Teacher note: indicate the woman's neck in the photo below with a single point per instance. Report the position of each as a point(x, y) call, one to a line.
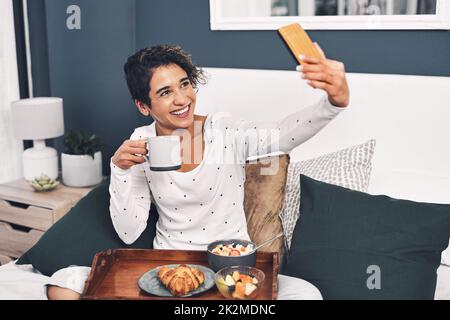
point(194, 130)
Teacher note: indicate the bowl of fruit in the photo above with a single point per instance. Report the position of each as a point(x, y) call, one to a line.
point(239, 282)
point(227, 253)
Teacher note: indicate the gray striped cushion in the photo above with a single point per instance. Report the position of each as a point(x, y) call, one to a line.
point(349, 168)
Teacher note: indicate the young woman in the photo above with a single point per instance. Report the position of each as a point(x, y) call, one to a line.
point(203, 200)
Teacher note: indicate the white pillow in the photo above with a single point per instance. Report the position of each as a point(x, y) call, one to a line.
point(446, 255)
point(349, 168)
point(443, 283)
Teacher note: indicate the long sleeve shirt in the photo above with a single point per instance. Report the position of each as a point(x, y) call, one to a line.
point(207, 203)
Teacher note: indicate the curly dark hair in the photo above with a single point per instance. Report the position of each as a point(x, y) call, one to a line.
point(141, 65)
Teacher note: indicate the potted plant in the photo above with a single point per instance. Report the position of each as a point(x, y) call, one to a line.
point(81, 160)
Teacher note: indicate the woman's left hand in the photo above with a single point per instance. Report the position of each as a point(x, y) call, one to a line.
point(328, 75)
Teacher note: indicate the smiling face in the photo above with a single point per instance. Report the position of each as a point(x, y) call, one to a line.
point(172, 99)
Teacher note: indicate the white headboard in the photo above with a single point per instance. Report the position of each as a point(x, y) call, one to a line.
point(409, 116)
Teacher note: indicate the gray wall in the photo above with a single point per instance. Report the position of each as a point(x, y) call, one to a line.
point(39, 48)
point(187, 23)
point(85, 66)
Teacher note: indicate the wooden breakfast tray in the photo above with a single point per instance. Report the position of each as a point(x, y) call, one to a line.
point(115, 273)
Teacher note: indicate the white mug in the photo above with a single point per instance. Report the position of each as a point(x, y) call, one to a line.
point(164, 153)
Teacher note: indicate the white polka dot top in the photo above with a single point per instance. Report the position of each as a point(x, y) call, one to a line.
point(206, 204)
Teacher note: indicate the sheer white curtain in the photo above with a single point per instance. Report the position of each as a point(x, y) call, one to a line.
point(10, 147)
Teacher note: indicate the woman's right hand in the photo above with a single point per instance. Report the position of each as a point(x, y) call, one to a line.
point(130, 153)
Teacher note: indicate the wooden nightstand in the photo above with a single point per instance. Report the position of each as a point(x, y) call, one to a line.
point(26, 214)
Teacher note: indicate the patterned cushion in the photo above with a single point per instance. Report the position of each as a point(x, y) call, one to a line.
point(349, 168)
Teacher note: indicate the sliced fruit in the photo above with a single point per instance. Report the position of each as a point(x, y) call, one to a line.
point(235, 253)
point(240, 289)
point(246, 278)
point(236, 275)
point(249, 288)
point(229, 281)
point(221, 285)
point(254, 280)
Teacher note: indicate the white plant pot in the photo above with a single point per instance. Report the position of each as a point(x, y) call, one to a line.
point(81, 170)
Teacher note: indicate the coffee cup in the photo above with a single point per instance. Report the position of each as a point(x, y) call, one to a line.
point(164, 153)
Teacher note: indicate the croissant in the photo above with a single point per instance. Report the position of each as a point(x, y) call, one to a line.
point(181, 280)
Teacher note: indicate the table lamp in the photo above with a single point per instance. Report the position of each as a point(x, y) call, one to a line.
point(38, 119)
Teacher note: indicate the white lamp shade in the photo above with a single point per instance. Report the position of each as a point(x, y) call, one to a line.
point(38, 118)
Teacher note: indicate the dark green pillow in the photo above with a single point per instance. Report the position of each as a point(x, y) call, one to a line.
point(352, 245)
point(81, 233)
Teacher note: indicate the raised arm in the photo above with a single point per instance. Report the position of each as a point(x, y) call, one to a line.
point(130, 194)
point(255, 138)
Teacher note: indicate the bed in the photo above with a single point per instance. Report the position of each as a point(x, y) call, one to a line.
point(407, 115)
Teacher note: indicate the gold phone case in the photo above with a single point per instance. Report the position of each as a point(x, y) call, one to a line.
point(298, 41)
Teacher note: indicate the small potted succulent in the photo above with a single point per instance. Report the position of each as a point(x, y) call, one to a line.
point(81, 160)
point(44, 183)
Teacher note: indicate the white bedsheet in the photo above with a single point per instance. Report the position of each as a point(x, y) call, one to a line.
point(23, 282)
point(26, 283)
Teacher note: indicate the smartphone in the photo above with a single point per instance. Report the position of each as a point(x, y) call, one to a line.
point(298, 41)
